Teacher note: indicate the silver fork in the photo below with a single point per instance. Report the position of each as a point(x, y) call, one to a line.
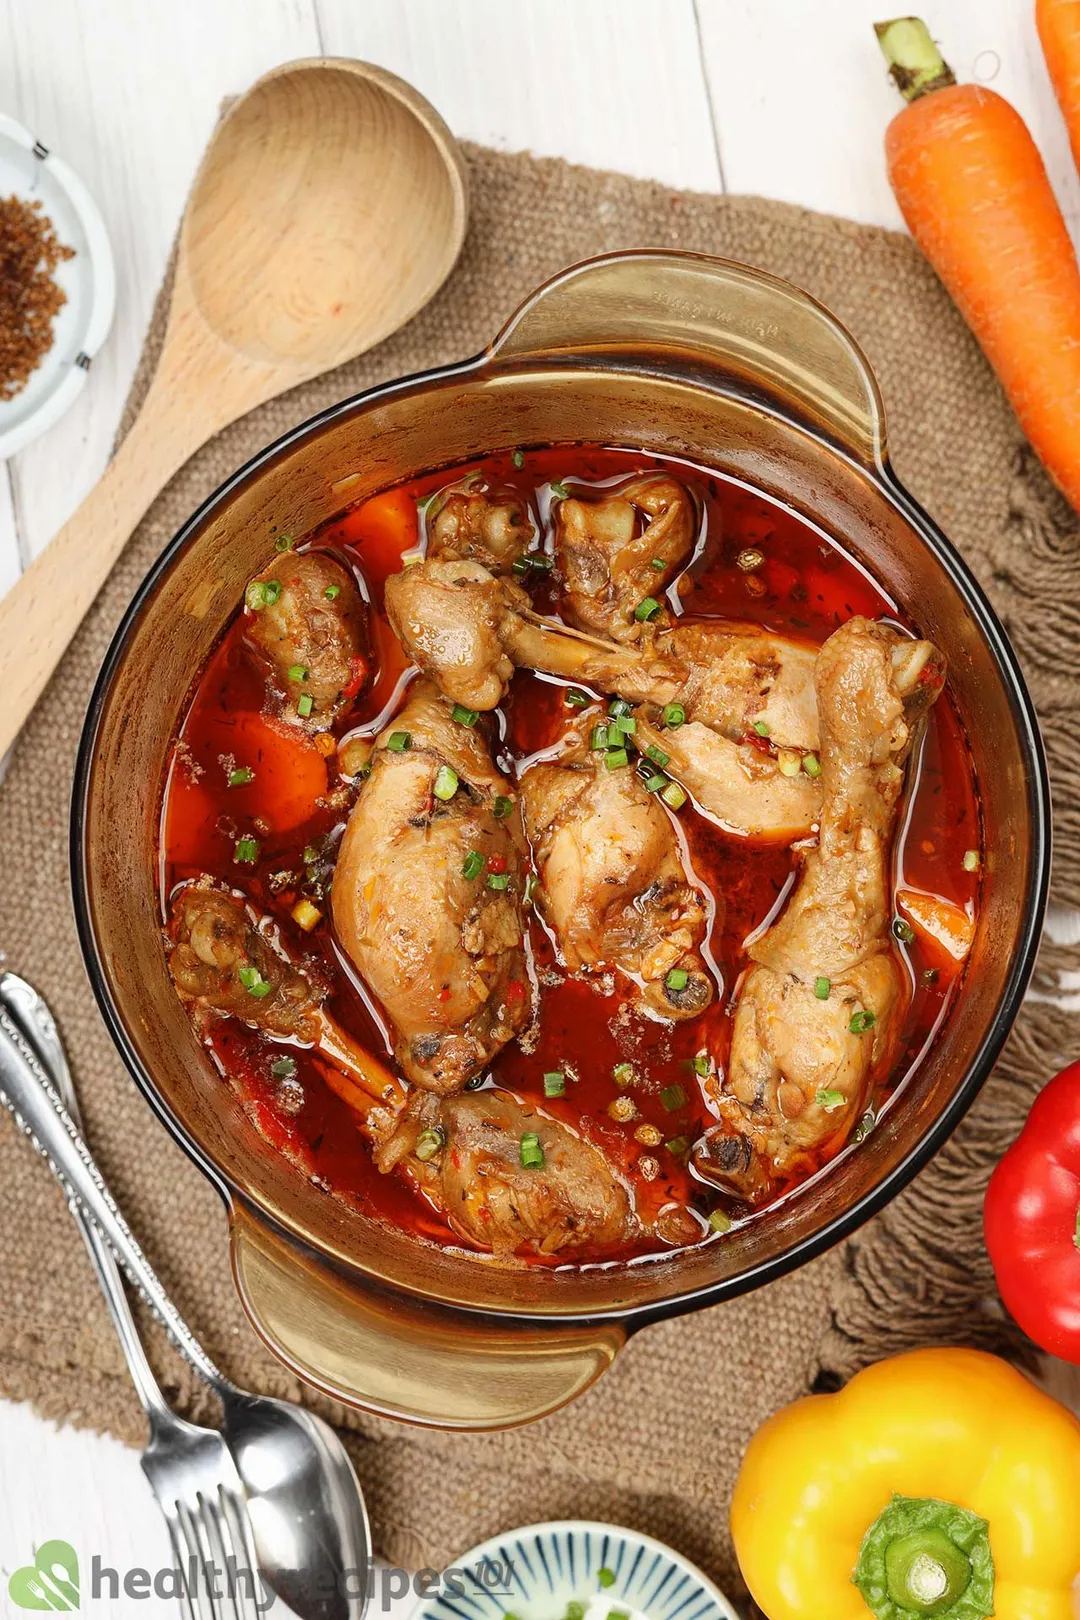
point(190, 1469)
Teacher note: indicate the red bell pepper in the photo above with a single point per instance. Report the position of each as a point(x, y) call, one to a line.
point(1031, 1219)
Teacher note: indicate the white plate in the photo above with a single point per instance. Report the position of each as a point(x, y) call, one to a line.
point(30, 171)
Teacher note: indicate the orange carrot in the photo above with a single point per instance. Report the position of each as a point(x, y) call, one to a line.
point(1058, 22)
point(975, 194)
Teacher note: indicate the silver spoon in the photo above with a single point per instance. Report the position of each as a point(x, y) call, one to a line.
point(310, 1524)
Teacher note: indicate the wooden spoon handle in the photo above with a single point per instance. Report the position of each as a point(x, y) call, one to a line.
point(41, 613)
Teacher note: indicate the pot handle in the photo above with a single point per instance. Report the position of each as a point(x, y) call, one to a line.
point(403, 1358)
point(713, 321)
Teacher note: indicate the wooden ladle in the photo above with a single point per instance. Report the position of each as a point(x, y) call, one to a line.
point(330, 206)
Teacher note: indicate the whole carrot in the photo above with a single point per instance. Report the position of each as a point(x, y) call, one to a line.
point(1058, 22)
point(975, 194)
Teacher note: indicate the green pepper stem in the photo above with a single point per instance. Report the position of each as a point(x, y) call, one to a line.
point(915, 63)
point(926, 1560)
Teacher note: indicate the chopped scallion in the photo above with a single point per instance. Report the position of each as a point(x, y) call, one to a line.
point(624, 724)
point(659, 564)
point(398, 741)
point(606, 1577)
point(283, 1068)
point(428, 1143)
point(830, 1101)
point(647, 608)
point(622, 1073)
point(677, 979)
point(674, 795)
point(971, 860)
point(822, 986)
point(703, 1064)
point(284, 542)
point(598, 737)
point(242, 775)
point(305, 705)
point(674, 714)
point(532, 1154)
point(678, 1145)
point(502, 807)
point(518, 458)
point(247, 851)
point(719, 1222)
point(473, 864)
point(575, 698)
point(616, 759)
point(619, 706)
point(673, 1098)
point(446, 783)
point(332, 592)
point(657, 755)
point(498, 880)
point(811, 765)
point(862, 1021)
point(654, 783)
point(297, 672)
point(559, 491)
point(253, 981)
point(464, 716)
point(555, 1084)
point(761, 728)
point(903, 931)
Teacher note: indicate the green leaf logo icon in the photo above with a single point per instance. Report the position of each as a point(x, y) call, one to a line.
point(50, 1582)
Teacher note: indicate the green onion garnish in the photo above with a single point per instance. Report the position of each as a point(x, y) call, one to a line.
point(657, 755)
point(624, 724)
point(616, 759)
point(262, 593)
point(903, 931)
point(647, 608)
point(247, 851)
point(930, 975)
point(622, 1073)
point(674, 714)
point(619, 706)
point(473, 864)
point(532, 1154)
point(598, 737)
point(305, 705)
point(606, 1577)
point(253, 981)
point(822, 986)
point(555, 1084)
point(575, 698)
point(830, 1101)
point(446, 783)
point(674, 795)
point(297, 672)
point(518, 458)
point(653, 784)
point(703, 1063)
point(332, 592)
point(428, 1143)
point(971, 860)
point(559, 491)
point(242, 775)
point(659, 564)
point(677, 979)
point(761, 728)
point(283, 1068)
point(673, 1098)
point(811, 765)
point(719, 1222)
point(398, 741)
point(861, 1022)
point(284, 542)
point(498, 880)
point(502, 807)
point(464, 716)
point(678, 1145)
point(575, 1610)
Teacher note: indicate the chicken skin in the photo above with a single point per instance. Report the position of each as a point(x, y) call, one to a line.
point(818, 1013)
point(306, 623)
point(612, 881)
point(466, 1153)
point(427, 894)
point(480, 525)
point(746, 695)
point(616, 553)
point(222, 963)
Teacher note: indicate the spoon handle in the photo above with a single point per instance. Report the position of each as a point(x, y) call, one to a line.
point(27, 1089)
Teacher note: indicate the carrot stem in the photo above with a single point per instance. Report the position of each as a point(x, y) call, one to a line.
point(915, 63)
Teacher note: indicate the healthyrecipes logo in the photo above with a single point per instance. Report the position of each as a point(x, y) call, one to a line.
point(51, 1581)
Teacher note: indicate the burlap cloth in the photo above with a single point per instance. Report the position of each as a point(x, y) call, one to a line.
point(656, 1444)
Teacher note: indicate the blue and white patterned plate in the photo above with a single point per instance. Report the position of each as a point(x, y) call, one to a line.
point(538, 1572)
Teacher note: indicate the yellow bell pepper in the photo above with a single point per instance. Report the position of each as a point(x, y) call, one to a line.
point(939, 1484)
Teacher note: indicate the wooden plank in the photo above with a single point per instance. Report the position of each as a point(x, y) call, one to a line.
point(613, 83)
point(802, 98)
point(129, 100)
point(10, 561)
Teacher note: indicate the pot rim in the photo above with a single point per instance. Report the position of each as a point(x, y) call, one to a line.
point(937, 1133)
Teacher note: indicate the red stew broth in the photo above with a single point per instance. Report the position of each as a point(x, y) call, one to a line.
point(296, 806)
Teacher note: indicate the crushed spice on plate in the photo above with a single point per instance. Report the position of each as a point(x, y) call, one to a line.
point(29, 297)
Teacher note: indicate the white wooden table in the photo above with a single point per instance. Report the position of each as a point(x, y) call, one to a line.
point(777, 97)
